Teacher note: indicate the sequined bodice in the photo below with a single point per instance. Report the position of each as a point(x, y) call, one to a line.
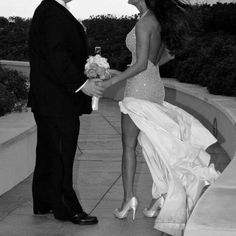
point(146, 85)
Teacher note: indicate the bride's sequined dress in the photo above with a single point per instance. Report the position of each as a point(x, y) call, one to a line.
point(173, 144)
point(148, 84)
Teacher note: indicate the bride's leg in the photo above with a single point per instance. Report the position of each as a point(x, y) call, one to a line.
point(129, 141)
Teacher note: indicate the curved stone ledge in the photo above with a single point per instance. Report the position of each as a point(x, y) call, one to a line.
point(210, 109)
point(21, 66)
point(217, 113)
point(17, 148)
point(215, 212)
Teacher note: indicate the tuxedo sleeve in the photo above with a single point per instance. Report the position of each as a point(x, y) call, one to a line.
point(67, 75)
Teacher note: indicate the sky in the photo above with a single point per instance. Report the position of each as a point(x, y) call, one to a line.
point(81, 9)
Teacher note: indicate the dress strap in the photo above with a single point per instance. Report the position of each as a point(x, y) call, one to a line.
point(144, 14)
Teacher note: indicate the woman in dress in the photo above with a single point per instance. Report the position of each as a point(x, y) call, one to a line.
point(173, 142)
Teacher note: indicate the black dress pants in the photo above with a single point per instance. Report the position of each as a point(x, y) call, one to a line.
point(53, 178)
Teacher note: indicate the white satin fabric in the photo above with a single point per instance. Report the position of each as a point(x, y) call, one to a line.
point(173, 144)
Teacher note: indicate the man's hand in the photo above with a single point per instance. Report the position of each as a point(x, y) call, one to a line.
point(106, 83)
point(109, 79)
point(93, 87)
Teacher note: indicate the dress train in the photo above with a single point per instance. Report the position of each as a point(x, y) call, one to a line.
point(173, 144)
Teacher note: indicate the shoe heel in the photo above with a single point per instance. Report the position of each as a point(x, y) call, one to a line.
point(152, 212)
point(132, 204)
point(134, 213)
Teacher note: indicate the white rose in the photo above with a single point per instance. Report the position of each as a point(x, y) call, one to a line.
point(100, 61)
point(103, 63)
point(96, 59)
point(88, 62)
point(90, 59)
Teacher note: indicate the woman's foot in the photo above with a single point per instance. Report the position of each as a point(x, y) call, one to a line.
point(131, 204)
point(154, 207)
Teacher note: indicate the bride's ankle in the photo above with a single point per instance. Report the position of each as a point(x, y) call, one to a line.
point(128, 197)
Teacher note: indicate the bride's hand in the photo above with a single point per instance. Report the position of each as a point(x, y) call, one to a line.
point(114, 72)
point(106, 83)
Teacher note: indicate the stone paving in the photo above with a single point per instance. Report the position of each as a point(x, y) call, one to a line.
point(97, 176)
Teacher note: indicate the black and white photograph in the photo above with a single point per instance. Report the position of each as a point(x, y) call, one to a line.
point(117, 118)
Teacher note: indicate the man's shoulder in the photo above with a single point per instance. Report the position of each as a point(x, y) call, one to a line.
point(47, 8)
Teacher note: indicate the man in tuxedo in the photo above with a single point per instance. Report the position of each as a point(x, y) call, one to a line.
point(59, 94)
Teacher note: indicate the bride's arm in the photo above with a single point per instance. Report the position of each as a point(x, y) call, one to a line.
point(114, 72)
point(165, 56)
point(142, 31)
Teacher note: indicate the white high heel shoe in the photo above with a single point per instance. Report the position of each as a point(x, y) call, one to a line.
point(152, 212)
point(132, 204)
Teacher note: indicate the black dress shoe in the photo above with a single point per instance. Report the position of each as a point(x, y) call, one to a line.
point(84, 219)
point(43, 212)
point(80, 219)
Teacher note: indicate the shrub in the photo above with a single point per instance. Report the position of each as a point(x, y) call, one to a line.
point(202, 60)
point(13, 91)
point(189, 70)
point(213, 28)
point(15, 82)
point(168, 70)
point(7, 100)
point(222, 80)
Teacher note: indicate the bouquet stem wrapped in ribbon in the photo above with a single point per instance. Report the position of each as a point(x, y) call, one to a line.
point(96, 67)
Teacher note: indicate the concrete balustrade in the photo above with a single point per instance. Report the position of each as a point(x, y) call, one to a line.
point(17, 140)
point(21, 66)
point(215, 212)
point(17, 149)
point(217, 113)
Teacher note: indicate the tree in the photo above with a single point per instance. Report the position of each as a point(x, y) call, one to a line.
point(213, 41)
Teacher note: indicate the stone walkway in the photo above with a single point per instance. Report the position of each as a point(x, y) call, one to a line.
point(98, 178)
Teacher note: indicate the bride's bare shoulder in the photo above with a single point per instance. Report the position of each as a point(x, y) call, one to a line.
point(148, 23)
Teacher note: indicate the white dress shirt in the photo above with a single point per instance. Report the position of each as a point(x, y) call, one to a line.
point(65, 5)
point(62, 3)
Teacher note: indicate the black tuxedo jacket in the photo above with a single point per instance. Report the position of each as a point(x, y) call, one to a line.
point(58, 53)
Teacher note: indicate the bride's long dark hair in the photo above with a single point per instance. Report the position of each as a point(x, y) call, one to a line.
point(173, 17)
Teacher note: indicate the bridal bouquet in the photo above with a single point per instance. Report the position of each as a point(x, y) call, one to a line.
point(96, 67)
